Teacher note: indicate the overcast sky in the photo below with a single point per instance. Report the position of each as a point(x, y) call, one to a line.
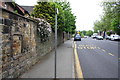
point(86, 11)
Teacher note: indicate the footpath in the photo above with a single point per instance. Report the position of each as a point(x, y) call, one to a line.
point(46, 67)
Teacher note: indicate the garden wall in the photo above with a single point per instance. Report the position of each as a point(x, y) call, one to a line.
point(23, 42)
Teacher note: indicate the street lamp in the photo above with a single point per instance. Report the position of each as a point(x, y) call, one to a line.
point(56, 12)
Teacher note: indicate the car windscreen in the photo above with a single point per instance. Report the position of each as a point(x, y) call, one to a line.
point(77, 36)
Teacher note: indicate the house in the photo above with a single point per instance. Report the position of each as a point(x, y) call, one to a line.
point(12, 6)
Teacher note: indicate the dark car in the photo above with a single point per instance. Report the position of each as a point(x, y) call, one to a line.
point(77, 37)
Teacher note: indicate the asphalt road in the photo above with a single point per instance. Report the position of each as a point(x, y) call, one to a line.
point(98, 58)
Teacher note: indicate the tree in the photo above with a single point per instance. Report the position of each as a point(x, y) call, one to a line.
point(46, 10)
point(89, 33)
point(110, 19)
point(84, 32)
point(112, 10)
point(69, 18)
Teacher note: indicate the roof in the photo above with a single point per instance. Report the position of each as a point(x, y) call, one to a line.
point(17, 7)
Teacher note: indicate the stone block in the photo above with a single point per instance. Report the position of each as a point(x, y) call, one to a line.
point(11, 71)
point(5, 74)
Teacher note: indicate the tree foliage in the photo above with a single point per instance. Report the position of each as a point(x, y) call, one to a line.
point(66, 19)
point(89, 33)
point(110, 21)
point(86, 33)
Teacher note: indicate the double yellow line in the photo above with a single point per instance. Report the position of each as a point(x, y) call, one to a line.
point(78, 68)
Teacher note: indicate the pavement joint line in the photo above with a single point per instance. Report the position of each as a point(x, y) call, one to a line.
point(77, 64)
point(111, 54)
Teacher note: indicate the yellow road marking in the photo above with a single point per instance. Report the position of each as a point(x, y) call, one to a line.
point(81, 45)
point(77, 64)
point(98, 47)
point(88, 47)
point(103, 50)
point(119, 58)
point(92, 47)
point(74, 42)
point(111, 54)
point(81, 48)
point(84, 47)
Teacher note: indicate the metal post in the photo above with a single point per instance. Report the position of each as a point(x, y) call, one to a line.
point(55, 42)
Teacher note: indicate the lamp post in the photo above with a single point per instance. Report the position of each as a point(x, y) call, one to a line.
point(56, 12)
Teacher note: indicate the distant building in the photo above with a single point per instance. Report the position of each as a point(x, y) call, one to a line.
point(12, 6)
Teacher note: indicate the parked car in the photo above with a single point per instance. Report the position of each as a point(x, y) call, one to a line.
point(114, 37)
point(99, 37)
point(77, 37)
point(107, 38)
point(86, 36)
point(93, 36)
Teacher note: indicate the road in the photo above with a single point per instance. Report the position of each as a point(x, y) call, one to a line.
point(98, 58)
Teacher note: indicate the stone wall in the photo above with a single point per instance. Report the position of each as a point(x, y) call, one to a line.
point(21, 44)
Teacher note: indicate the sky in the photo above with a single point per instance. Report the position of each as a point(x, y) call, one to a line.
point(86, 11)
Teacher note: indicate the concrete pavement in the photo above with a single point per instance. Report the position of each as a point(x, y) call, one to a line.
point(65, 64)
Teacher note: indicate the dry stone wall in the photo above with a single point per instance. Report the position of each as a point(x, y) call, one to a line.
point(22, 43)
